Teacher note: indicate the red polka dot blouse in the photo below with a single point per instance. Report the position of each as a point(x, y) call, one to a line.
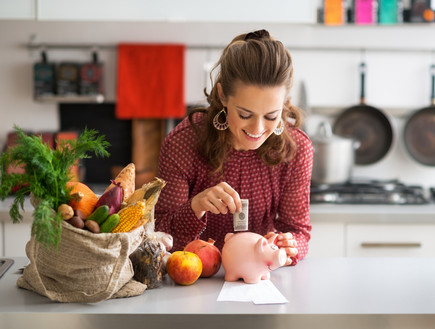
point(278, 195)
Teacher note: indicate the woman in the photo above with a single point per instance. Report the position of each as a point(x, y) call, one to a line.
point(245, 145)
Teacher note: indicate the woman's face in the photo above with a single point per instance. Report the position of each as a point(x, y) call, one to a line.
point(253, 114)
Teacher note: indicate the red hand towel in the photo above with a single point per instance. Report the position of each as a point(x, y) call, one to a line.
point(150, 81)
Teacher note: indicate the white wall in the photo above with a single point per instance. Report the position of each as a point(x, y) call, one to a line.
point(325, 58)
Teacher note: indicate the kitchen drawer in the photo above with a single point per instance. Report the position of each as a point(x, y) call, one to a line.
point(15, 238)
point(327, 240)
point(392, 240)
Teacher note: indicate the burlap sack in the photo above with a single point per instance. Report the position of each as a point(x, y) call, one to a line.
point(86, 268)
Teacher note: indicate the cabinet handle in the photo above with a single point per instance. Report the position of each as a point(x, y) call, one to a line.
point(391, 244)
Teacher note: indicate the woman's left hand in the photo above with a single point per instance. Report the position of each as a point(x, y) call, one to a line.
point(287, 242)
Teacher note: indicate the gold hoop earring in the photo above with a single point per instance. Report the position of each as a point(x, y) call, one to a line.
point(220, 125)
point(278, 130)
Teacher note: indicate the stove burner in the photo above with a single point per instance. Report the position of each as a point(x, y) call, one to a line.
point(360, 191)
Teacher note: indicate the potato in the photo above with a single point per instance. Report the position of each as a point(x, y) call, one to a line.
point(92, 226)
point(80, 214)
point(76, 221)
point(65, 211)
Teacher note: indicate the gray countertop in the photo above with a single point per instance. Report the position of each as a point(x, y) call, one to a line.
point(338, 292)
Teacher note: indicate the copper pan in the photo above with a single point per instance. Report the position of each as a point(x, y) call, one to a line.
point(419, 133)
point(368, 125)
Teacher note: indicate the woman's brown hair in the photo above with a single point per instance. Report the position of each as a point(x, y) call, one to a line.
point(254, 59)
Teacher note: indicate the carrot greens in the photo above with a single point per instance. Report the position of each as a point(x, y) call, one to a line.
point(47, 171)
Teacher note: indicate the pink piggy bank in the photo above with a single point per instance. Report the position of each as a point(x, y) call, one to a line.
point(249, 256)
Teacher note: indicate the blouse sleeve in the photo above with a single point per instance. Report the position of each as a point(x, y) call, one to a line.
point(293, 212)
point(173, 212)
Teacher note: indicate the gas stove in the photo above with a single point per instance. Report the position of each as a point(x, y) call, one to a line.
point(368, 191)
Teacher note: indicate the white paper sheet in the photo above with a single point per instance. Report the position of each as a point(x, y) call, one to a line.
point(263, 292)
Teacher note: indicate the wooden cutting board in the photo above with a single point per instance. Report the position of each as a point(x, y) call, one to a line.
point(147, 138)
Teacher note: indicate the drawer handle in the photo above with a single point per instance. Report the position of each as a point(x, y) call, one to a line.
point(391, 244)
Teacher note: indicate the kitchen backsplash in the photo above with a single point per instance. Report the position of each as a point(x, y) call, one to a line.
point(326, 59)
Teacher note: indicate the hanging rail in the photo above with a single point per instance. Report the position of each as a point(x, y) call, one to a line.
point(84, 46)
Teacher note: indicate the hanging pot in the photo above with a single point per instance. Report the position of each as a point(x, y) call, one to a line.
point(333, 156)
point(368, 125)
point(420, 131)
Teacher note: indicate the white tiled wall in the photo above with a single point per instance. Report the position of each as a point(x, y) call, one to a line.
point(1, 239)
point(15, 238)
point(325, 58)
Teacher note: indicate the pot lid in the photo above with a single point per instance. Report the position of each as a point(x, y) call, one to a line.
point(324, 135)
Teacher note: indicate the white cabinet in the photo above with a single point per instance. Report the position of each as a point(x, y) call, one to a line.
point(289, 11)
point(327, 240)
point(372, 231)
point(17, 9)
point(15, 238)
point(390, 240)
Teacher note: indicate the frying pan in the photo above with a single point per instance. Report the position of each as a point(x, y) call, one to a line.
point(420, 130)
point(368, 125)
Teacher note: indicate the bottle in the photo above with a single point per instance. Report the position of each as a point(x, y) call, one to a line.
point(366, 12)
point(390, 11)
point(334, 12)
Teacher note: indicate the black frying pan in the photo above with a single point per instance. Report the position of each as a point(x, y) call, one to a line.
point(420, 130)
point(368, 125)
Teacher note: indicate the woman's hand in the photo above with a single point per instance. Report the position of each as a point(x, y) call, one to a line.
point(287, 242)
point(218, 199)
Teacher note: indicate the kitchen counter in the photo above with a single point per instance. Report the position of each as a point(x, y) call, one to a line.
point(326, 293)
point(318, 212)
point(351, 213)
point(428, 208)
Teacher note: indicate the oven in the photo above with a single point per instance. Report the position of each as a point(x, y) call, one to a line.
point(371, 191)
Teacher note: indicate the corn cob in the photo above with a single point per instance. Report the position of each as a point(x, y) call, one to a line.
point(129, 217)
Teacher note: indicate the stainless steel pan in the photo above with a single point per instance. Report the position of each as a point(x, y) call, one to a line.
point(368, 125)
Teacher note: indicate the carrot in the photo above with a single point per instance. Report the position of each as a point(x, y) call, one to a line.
point(126, 178)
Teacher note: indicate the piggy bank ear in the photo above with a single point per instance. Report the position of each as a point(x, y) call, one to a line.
point(260, 245)
point(227, 236)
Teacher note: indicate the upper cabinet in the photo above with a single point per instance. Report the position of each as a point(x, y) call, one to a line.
point(282, 11)
point(17, 9)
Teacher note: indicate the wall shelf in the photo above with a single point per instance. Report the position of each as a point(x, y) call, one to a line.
point(347, 38)
point(70, 99)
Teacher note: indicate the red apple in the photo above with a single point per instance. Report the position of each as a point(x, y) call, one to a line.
point(184, 267)
point(211, 257)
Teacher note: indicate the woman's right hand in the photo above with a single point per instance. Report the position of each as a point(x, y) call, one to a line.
point(218, 199)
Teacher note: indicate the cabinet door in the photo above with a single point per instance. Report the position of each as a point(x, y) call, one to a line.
point(17, 9)
point(327, 240)
point(289, 11)
point(392, 240)
point(15, 238)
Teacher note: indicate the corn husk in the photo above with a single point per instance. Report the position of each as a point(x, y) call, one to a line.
point(149, 191)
